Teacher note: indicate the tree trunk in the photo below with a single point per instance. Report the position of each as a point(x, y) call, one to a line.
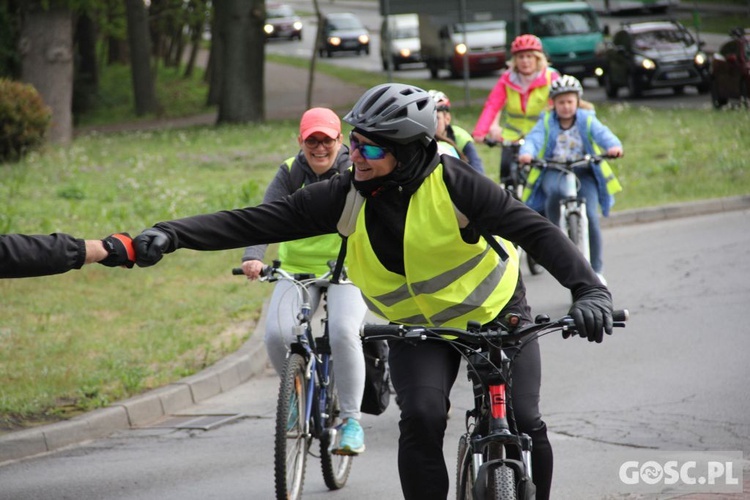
point(241, 30)
point(86, 79)
point(215, 65)
point(46, 48)
point(144, 89)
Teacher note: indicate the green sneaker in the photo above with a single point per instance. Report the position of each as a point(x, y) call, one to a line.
point(352, 439)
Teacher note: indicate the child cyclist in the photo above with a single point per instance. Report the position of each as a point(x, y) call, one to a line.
point(566, 133)
point(452, 134)
point(515, 103)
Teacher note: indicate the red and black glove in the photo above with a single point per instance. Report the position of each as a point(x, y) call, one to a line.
point(120, 249)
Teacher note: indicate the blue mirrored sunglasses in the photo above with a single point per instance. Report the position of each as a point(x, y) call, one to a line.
point(368, 151)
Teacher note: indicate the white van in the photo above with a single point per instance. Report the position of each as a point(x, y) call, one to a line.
point(403, 35)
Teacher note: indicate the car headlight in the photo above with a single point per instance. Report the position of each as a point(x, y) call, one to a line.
point(700, 59)
point(335, 41)
point(645, 62)
point(404, 53)
point(461, 49)
point(297, 25)
point(363, 39)
point(268, 28)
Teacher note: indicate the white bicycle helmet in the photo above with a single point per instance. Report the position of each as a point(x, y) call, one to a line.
point(565, 84)
point(397, 112)
point(441, 100)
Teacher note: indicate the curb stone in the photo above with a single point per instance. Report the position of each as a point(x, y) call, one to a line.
point(247, 362)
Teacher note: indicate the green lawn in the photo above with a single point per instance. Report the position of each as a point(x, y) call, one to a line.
point(81, 340)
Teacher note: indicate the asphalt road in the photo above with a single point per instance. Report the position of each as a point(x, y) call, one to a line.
point(659, 98)
point(674, 380)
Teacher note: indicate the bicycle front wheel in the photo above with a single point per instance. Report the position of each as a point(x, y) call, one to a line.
point(575, 232)
point(291, 440)
point(464, 470)
point(335, 468)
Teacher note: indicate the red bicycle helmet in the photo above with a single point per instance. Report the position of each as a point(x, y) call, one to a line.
point(526, 42)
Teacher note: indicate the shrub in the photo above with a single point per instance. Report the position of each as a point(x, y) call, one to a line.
point(24, 119)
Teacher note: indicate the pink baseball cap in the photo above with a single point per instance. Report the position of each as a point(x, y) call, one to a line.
point(319, 120)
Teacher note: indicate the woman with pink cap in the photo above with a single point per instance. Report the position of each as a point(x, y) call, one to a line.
point(322, 155)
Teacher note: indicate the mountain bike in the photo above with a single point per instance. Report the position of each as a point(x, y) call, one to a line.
point(573, 219)
point(494, 459)
point(307, 407)
point(515, 183)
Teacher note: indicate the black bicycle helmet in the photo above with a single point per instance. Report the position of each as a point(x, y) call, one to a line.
point(397, 112)
point(565, 84)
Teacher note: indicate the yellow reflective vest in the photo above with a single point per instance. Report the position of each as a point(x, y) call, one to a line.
point(447, 281)
point(308, 255)
point(514, 121)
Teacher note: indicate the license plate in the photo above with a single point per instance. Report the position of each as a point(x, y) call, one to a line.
point(677, 74)
point(351, 44)
point(575, 69)
point(488, 60)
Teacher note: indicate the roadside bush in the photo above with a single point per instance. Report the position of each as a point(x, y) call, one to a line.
point(24, 119)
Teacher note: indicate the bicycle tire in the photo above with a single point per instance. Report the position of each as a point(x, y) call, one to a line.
point(336, 468)
point(503, 484)
point(534, 267)
point(464, 473)
point(291, 441)
point(574, 231)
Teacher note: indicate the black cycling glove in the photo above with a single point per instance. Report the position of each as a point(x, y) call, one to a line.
point(592, 313)
point(119, 246)
point(150, 246)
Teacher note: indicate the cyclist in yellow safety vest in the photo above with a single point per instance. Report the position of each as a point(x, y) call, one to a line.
point(321, 156)
point(451, 134)
point(428, 243)
point(517, 100)
point(567, 133)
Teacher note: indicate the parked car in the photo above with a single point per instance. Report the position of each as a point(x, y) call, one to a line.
point(730, 70)
point(651, 55)
point(282, 22)
point(399, 40)
point(343, 31)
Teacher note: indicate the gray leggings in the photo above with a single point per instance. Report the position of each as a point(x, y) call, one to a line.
point(346, 312)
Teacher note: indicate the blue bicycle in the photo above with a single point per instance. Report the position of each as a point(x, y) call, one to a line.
point(307, 406)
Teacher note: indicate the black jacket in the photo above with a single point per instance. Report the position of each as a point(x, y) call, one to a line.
point(317, 208)
point(24, 256)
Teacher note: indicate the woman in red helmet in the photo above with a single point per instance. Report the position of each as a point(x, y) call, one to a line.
point(521, 93)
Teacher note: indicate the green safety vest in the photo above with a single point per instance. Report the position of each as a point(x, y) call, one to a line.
point(447, 281)
point(308, 255)
point(461, 137)
point(514, 121)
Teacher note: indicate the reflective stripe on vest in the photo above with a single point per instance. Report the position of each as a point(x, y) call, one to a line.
point(308, 255)
point(448, 281)
point(514, 121)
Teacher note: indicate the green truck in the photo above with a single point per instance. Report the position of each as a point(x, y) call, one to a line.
point(571, 35)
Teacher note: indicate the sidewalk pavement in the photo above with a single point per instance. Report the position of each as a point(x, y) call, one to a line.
point(237, 368)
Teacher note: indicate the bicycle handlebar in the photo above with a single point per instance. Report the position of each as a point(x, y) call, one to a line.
point(475, 335)
point(489, 141)
point(568, 164)
point(274, 272)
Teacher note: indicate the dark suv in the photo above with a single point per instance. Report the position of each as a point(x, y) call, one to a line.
point(730, 70)
point(343, 31)
point(652, 55)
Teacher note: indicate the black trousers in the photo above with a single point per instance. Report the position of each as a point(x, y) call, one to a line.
point(423, 375)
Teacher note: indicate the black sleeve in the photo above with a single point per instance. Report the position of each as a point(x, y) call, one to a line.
point(24, 256)
point(491, 207)
point(310, 211)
